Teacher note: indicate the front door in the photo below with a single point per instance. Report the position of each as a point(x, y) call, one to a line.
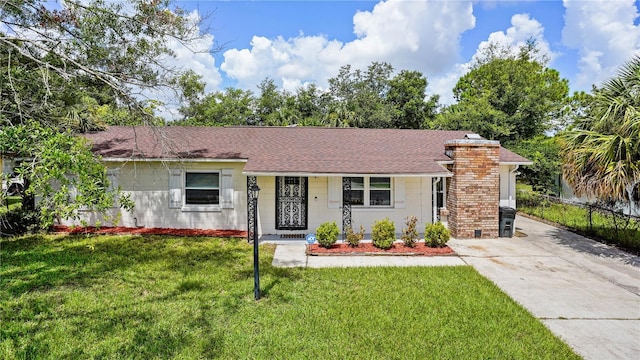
point(291, 202)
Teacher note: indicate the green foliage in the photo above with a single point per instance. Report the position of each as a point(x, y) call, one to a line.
point(61, 170)
point(357, 98)
point(409, 233)
point(601, 151)
point(53, 57)
point(544, 175)
point(163, 297)
point(372, 99)
point(230, 107)
point(436, 235)
point(406, 96)
point(507, 98)
point(383, 233)
point(327, 234)
point(20, 221)
point(353, 238)
point(609, 226)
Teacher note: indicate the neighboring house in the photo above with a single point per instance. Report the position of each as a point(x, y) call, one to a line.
point(197, 177)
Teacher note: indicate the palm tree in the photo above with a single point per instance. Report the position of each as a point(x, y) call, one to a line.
point(602, 152)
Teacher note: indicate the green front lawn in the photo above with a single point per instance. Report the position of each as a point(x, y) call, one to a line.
point(164, 297)
point(10, 203)
point(605, 226)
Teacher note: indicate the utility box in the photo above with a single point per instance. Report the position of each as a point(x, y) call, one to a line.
point(507, 219)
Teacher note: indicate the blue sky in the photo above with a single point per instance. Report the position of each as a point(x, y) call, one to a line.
point(299, 42)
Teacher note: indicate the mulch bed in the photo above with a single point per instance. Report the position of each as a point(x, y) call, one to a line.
point(121, 230)
point(397, 248)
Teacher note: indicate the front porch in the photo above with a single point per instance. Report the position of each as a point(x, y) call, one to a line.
point(290, 207)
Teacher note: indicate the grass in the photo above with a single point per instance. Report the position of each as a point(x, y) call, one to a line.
point(170, 297)
point(603, 226)
point(10, 203)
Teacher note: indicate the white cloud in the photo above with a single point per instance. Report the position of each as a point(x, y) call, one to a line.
point(193, 55)
point(605, 36)
point(415, 35)
point(523, 28)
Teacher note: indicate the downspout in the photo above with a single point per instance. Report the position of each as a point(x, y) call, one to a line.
point(512, 201)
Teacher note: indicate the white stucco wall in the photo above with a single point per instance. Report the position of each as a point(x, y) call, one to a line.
point(148, 185)
point(417, 202)
point(507, 186)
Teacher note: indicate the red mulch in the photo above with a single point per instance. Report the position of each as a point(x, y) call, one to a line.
point(121, 230)
point(397, 248)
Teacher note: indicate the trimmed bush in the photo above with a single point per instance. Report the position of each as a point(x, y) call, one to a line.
point(383, 233)
point(327, 234)
point(409, 234)
point(436, 235)
point(354, 238)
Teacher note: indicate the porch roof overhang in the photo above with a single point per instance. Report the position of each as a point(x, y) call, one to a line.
point(307, 174)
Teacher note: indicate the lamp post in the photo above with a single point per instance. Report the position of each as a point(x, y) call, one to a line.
point(255, 190)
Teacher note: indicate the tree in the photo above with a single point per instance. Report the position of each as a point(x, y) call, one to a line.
point(359, 96)
point(407, 98)
point(228, 107)
point(373, 99)
point(507, 97)
point(544, 152)
point(64, 176)
point(116, 48)
point(602, 151)
point(61, 69)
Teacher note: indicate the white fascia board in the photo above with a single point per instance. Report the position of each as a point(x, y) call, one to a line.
point(500, 163)
point(516, 163)
point(259, 173)
point(196, 160)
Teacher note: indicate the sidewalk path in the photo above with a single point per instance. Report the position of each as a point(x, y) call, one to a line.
point(585, 292)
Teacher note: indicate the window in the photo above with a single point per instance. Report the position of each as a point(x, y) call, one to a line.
point(357, 191)
point(374, 191)
point(202, 188)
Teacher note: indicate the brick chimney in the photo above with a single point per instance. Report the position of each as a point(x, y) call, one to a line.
point(473, 195)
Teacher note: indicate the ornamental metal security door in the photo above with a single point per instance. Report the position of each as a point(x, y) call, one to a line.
point(291, 202)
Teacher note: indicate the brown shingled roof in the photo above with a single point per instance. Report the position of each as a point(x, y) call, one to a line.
point(289, 149)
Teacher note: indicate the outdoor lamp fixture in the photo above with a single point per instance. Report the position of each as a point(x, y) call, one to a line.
point(254, 191)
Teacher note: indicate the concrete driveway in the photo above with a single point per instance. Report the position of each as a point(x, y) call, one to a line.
point(585, 292)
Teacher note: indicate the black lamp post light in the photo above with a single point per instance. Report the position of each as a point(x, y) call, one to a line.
point(255, 190)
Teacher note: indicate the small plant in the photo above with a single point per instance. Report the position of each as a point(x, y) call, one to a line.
point(436, 235)
point(409, 234)
point(327, 234)
point(383, 233)
point(354, 238)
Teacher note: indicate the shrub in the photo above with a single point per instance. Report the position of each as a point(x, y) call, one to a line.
point(354, 238)
point(327, 234)
point(409, 234)
point(20, 221)
point(383, 233)
point(436, 235)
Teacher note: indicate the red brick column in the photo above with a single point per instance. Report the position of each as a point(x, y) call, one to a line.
point(473, 195)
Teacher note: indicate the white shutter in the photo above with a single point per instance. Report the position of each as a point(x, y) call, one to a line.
point(334, 192)
point(399, 195)
point(7, 166)
point(226, 189)
point(175, 188)
point(112, 176)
